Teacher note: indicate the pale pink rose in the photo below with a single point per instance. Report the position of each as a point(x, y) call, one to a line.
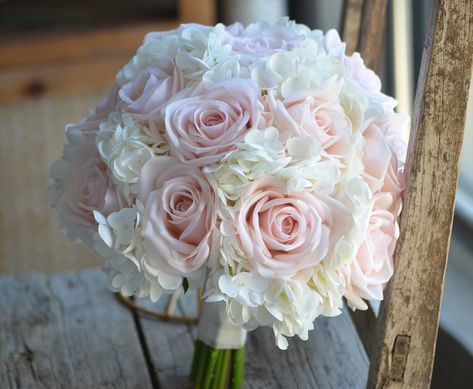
point(205, 125)
point(235, 29)
point(373, 266)
point(98, 114)
point(395, 178)
point(281, 234)
point(376, 156)
point(251, 46)
point(87, 187)
point(106, 104)
point(384, 155)
point(156, 35)
point(354, 66)
point(334, 45)
point(152, 87)
point(394, 184)
point(87, 127)
point(179, 218)
point(305, 115)
point(356, 69)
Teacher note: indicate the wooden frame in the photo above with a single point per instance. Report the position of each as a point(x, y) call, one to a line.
point(75, 62)
point(401, 341)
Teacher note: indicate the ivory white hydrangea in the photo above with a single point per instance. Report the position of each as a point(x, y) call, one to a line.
point(261, 164)
point(126, 146)
point(266, 152)
point(260, 153)
point(126, 266)
point(307, 67)
point(289, 307)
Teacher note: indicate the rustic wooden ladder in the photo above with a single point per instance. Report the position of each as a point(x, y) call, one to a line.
point(400, 341)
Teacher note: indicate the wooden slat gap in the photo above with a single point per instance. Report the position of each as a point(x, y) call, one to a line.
point(350, 25)
point(371, 36)
point(150, 367)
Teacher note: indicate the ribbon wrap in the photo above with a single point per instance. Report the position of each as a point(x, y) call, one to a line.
point(216, 331)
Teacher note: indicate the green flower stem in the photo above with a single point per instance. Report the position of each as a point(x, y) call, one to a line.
point(224, 371)
point(238, 369)
point(202, 358)
point(197, 351)
point(210, 371)
point(217, 368)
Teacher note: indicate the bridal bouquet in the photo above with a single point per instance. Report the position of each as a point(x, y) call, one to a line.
point(261, 164)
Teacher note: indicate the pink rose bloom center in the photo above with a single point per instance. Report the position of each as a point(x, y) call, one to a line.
point(88, 188)
point(179, 217)
point(373, 266)
point(384, 154)
point(151, 88)
point(254, 45)
point(205, 125)
point(305, 115)
point(281, 234)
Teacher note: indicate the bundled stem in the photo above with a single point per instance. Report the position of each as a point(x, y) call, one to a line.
point(217, 368)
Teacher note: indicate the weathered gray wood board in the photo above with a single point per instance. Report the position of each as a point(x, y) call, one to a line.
point(67, 331)
point(170, 345)
point(333, 357)
point(402, 341)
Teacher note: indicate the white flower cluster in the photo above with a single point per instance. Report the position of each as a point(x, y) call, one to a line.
point(262, 164)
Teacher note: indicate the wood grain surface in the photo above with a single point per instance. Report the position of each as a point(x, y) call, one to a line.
point(350, 25)
point(68, 331)
point(92, 44)
point(333, 349)
point(81, 61)
point(407, 330)
point(333, 357)
point(371, 36)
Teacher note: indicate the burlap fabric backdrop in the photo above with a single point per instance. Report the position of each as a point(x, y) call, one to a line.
point(31, 138)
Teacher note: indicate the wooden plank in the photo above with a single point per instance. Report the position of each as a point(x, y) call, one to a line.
point(351, 24)
point(33, 17)
point(72, 63)
point(67, 78)
point(170, 345)
point(409, 315)
point(67, 331)
point(88, 45)
point(333, 357)
point(203, 11)
point(365, 323)
point(79, 62)
point(371, 36)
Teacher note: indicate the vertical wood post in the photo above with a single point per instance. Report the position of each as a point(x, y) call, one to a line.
point(371, 36)
point(350, 25)
point(408, 322)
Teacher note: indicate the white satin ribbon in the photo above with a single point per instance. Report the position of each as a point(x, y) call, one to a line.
point(216, 331)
